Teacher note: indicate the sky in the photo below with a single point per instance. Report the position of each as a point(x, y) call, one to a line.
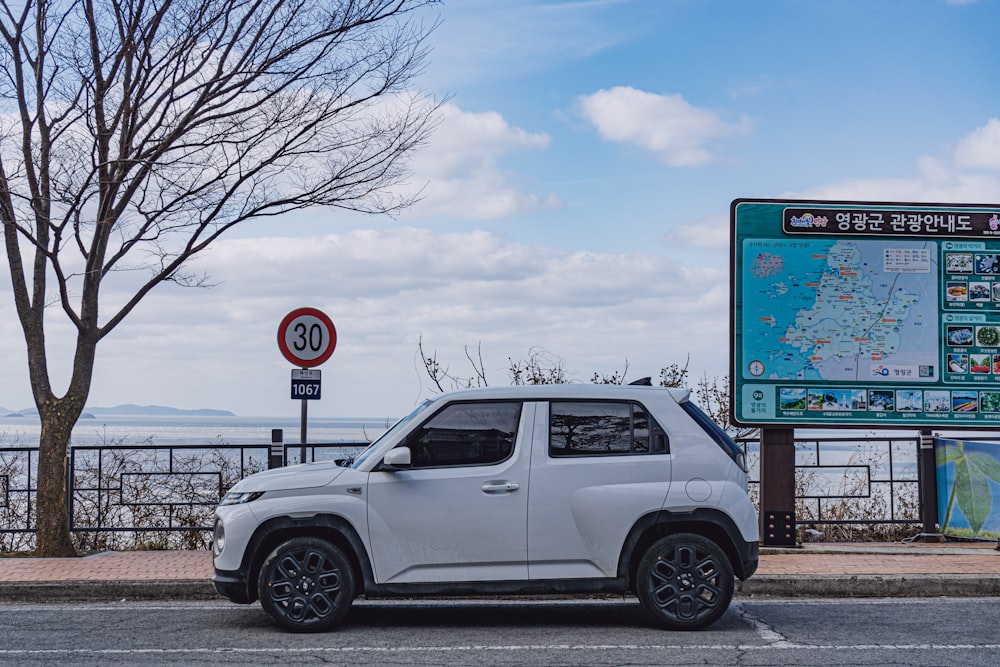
point(575, 198)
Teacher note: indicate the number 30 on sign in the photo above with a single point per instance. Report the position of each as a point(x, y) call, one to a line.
point(307, 337)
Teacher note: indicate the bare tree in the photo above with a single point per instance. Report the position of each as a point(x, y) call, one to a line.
point(442, 377)
point(543, 367)
point(134, 133)
point(675, 375)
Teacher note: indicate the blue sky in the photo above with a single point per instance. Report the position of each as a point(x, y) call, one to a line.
point(576, 196)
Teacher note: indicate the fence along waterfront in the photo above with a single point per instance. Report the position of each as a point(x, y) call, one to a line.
point(139, 496)
point(147, 496)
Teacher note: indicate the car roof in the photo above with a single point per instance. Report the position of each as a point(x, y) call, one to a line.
point(541, 392)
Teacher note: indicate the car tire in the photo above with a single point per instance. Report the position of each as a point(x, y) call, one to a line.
point(306, 585)
point(685, 582)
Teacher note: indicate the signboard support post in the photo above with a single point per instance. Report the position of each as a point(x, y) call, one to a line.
point(777, 486)
point(302, 432)
point(927, 474)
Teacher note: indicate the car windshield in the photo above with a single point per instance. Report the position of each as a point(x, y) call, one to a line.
point(363, 456)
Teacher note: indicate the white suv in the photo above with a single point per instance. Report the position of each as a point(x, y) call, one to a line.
point(528, 489)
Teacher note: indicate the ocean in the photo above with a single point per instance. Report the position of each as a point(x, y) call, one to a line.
point(198, 430)
point(23, 431)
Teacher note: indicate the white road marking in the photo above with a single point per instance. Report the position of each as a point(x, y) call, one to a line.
point(772, 639)
point(403, 650)
point(769, 635)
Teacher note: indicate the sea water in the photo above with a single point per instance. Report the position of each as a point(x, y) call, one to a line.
point(113, 430)
point(24, 431)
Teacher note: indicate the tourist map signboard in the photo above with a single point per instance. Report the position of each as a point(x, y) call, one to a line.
point(865, 314)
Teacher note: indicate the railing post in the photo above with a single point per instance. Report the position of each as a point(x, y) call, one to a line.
point(69, 487)
point(277, 457)
point(927, 476)
point(777, 486)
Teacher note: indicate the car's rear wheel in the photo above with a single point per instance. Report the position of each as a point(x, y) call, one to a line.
point(306, 585)
point(685, 582)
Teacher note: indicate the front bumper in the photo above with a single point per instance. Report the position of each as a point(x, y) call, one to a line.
point(232, 585)
point(750, 555)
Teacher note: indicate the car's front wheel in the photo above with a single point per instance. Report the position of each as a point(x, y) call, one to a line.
point(685, 582)
point(306, 585)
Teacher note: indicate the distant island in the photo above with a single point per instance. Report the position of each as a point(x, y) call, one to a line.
point(130, 410)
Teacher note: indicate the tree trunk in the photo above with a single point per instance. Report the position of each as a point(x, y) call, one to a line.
point(58, 416)
point(52, 539)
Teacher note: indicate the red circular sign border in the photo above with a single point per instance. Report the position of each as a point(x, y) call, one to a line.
point(289, 354)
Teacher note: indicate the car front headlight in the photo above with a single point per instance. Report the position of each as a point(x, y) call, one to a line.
point(234, 498)
point(218, 538)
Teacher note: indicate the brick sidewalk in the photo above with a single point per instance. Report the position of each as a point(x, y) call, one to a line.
point(879, 564)
point(812, 559)
point(111, 566)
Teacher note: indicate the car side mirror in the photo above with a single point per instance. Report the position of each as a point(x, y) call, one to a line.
point(397, 459)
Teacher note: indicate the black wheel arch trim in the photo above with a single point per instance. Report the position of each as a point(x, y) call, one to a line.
point(240, 586)
point(708, 522)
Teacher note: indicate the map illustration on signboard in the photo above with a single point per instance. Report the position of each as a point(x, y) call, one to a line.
point(840, 310)
point(865, 314)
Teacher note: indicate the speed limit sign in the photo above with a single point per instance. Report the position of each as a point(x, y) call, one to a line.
point(307, 337)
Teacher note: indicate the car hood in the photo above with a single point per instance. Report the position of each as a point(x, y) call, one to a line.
point(302, 476)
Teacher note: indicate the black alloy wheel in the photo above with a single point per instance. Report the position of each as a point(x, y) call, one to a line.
point(685, 582)
point(306, 585)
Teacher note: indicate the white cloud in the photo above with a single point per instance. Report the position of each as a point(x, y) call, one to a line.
point(461, 168)
point(981, 149)
point(667, 125)
point(935, 181)
point(464, 136)
point(384, 289)
point(971, 175)
point(710, 232)
point(491, 40)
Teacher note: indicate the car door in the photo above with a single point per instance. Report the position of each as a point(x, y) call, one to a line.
point(459, 513)
point(597, 466)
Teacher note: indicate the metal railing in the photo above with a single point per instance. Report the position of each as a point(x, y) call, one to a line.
point(852, 487)
point(18, 468)
point(160, 496)
point(128, 496)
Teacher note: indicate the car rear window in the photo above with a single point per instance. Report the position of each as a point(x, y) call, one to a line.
point(716, 433)
point(595, 428)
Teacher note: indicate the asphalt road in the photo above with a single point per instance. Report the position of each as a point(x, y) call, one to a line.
point(914, 631)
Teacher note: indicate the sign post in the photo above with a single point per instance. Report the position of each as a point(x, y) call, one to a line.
point(307, 338)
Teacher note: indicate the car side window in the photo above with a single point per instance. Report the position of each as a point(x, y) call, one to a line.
point(594, 428)
point(466, 434)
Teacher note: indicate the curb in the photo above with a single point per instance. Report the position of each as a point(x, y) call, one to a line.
point(760, 585)
point(108, 591)
point(870, 585)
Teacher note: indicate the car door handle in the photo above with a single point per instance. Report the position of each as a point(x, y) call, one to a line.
point(500, 486)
